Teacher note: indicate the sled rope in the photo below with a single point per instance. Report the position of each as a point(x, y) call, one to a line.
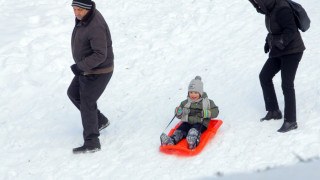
point(169, 123)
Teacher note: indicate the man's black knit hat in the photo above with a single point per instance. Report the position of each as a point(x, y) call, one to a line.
point(85, 4)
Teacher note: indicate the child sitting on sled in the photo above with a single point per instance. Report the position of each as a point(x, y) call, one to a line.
point(195, 113)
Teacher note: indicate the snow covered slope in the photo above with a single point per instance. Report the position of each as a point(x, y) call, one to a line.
point(159, 47)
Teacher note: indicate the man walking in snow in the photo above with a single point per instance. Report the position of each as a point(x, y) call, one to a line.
point(92, 52)
point(285, 47)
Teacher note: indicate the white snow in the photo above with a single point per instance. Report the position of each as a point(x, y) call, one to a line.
point(159, 47)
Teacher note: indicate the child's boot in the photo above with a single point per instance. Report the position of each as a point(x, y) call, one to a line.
point(177, 136)
point(193, 138)
point(166, 140)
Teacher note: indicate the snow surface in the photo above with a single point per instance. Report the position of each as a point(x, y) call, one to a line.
point(159, 47)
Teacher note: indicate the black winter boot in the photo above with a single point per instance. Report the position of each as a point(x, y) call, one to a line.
point(288, 126)
point(272, 115)
point(103, 122)
point(102, 126)
point(85, 149)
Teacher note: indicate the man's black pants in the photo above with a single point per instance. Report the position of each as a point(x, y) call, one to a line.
point(288, 64)
point(84, 91)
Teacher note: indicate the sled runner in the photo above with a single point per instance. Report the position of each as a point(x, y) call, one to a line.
point(182, 149)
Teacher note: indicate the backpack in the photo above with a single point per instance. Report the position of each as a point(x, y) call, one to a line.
point(300, 16)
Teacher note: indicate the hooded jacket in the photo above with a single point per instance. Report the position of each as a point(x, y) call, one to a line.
point(91, 42)
point(284, 37)
point(195, 115)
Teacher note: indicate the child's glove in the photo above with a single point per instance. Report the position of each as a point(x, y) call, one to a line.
point(206, 113)
point(178, 111)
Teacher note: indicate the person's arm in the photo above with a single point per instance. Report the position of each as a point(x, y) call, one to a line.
point(98, 39)
point(214, 109)
point(285, 19)
point(213, 112)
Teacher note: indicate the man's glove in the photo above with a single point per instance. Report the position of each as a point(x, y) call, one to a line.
point(76, 71)
point(206, 113)
point(266, 47)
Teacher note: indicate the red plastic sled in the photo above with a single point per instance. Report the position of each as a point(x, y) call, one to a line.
point(182, 148)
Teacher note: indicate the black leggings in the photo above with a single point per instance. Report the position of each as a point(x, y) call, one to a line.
point(288, 65)
point(185, 127)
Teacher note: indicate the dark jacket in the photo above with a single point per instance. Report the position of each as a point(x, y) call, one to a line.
point(91, 42)
point(284, 37)
point(195, 115)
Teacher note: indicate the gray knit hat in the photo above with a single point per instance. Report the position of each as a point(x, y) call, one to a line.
point(196, 85)
point(85, 4)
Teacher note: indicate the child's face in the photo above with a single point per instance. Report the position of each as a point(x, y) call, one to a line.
point(194, 95)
